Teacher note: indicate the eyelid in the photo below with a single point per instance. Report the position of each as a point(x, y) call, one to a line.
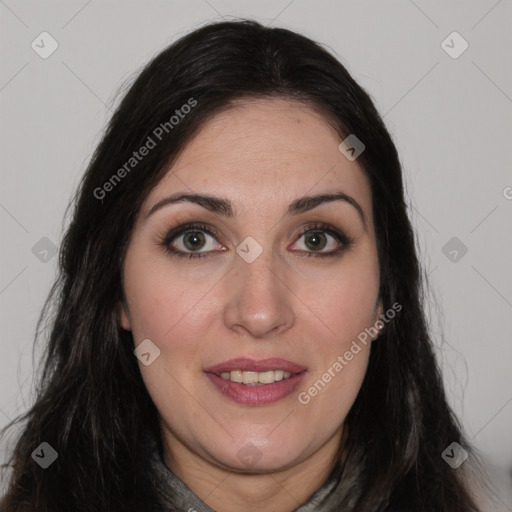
point(171, 234)
point(339, 235)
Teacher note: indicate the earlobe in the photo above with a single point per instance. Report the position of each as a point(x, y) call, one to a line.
point(122, 317)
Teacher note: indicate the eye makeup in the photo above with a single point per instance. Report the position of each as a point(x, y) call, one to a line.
point(168, 237)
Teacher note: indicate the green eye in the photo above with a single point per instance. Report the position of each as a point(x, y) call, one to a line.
point(195, 237)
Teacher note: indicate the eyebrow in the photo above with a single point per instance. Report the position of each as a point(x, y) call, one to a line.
point(225, 207)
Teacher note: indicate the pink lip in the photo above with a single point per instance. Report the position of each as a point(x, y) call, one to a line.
point(253, 365)
point(260, 394)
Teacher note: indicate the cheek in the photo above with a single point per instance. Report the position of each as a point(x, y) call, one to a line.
point(165, 310)
point(346, 301)
point(159, 300)
point(169, 310)
point(345, 305)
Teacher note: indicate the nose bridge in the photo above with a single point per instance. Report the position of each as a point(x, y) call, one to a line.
point(257, 300)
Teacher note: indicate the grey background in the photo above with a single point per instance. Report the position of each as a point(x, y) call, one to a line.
point(450, 119)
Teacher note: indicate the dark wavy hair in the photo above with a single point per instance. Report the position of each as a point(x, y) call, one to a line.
point(92, 405)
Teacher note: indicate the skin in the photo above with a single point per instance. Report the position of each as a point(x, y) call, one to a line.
point(261, 155)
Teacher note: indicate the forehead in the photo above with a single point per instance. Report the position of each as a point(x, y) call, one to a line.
point(264, 152)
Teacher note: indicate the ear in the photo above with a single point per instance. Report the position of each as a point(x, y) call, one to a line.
point(379, 310)
point(122, 317)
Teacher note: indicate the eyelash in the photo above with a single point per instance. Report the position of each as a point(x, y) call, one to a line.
point(168, 237)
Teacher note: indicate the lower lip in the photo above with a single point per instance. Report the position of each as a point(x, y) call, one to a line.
point(257, 395)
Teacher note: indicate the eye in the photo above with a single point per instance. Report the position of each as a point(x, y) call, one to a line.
point(189, 237)
point(191, 241)
point(321, 236)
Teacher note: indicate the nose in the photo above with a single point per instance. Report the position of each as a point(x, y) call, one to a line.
point(259, 300)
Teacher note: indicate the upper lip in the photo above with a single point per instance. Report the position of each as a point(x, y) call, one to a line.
point(256, 365)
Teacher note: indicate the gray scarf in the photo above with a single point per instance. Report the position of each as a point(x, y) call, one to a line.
point(335, 494)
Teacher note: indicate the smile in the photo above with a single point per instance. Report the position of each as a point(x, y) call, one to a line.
point(255, 378)
point(252, 382)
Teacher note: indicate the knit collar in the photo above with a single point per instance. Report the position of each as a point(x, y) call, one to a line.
point(336, 494)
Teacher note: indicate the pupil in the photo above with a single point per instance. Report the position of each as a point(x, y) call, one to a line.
point(196, 239)
point(316, 237)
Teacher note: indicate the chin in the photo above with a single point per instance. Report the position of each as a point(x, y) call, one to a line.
point(266, 458)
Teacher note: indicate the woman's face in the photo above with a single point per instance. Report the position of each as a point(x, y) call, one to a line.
point(259, 301)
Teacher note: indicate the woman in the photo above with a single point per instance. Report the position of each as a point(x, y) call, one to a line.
point(238, 319)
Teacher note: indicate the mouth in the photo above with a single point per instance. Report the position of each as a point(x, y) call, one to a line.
point(251, 382)
point(256, 378)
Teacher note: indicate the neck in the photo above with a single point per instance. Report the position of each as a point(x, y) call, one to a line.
point(230, 491)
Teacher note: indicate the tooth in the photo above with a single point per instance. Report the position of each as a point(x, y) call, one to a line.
point(250, 377)
point(266, 377)
point(278, 375)
point(254, 378)
point(236, 376)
